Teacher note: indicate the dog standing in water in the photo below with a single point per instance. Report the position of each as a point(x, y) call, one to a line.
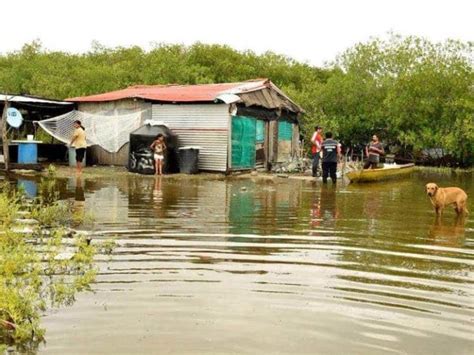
point(443, 196)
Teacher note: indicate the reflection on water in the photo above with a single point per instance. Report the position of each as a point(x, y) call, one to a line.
point(29, 186)
point(449, 233)
point(324, 211)
point(79, 190)
point(218, 266)
point(79, 202)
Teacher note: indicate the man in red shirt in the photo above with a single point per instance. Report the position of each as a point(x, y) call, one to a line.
point(316, 141)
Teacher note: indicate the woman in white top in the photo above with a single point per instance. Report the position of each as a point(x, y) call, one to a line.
point(78, 141)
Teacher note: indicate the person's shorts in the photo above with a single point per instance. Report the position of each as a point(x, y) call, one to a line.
point(374, 158)
point(158, 156)
point(80, 152)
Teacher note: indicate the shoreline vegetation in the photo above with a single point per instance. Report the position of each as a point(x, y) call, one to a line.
point(416, 95)
point(44, 263)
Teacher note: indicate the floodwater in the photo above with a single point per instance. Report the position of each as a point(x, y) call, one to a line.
point(285, 266)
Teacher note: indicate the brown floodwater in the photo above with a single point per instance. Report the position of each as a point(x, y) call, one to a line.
point(284, 266)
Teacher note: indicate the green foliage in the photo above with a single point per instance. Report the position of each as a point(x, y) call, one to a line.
point(38, 270)
point(410, 91)
point(414, 93)
point(35, 70)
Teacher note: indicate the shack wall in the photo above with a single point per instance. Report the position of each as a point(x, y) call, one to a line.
point(203, 125)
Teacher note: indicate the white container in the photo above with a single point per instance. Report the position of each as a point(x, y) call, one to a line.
point(29, 137)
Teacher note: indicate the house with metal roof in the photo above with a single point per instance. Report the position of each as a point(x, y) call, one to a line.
point(238, 126)
point(33, 109)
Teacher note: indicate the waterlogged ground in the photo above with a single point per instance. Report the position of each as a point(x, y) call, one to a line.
point(282, 266)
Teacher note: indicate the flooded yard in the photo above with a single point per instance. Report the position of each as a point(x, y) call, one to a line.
point(278, 266)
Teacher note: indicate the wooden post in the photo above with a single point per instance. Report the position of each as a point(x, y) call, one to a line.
point(6, 156)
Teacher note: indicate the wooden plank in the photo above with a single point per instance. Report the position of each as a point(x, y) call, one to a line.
point(261, 100)
point(268, 98)
point(295, 141)
point(16, 166)
point(6, 157)
point(266, 145)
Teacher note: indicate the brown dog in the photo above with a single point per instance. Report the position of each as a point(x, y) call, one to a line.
point(443, 196)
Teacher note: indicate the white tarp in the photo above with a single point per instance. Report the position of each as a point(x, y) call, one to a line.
point(109, 132)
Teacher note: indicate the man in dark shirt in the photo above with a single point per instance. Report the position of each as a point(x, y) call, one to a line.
point(331, 152)
point(373, 150)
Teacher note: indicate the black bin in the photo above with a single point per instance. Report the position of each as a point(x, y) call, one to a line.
point(188, 160)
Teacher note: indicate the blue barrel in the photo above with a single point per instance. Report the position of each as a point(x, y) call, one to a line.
point(27, 153)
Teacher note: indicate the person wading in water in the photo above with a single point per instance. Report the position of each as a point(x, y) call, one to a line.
point(331, 152)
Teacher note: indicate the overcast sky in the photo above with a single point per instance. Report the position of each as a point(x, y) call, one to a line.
point(312, 31)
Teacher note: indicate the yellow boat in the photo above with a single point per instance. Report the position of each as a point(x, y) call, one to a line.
point(389, 171)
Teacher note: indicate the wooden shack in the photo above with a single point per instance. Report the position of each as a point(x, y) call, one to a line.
point(238, 126)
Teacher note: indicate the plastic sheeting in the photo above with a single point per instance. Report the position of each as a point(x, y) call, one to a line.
point(243, 142)
point(108, 132)
point(285, 131)
point(260, 131)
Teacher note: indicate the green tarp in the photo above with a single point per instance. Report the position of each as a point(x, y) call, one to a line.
point(285, 131)
point(243, 142)
point(260, 134)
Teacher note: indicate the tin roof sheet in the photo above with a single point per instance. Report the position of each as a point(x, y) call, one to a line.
point(174, 93)
point(253, 92)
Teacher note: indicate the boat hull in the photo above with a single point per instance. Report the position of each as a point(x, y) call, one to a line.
point(374, 175)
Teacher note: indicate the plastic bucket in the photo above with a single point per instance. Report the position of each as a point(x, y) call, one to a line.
point(72, 156)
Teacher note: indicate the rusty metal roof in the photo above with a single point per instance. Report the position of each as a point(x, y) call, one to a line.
point(171, 93)
point(200, 93)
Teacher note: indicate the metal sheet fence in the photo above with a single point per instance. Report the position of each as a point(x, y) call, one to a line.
point(205, 126)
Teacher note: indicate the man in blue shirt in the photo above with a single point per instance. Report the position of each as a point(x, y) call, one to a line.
point(331, 152)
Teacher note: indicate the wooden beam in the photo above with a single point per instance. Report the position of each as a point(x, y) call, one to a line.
point(6, 156)
point(16, 166)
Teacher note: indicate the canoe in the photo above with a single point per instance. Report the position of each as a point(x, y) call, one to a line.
point(389, 171)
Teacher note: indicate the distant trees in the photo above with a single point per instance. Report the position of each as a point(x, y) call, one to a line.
point(35, 70)
point(414, 93)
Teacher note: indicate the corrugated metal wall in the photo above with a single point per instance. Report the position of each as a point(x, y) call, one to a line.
point(206, 126)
